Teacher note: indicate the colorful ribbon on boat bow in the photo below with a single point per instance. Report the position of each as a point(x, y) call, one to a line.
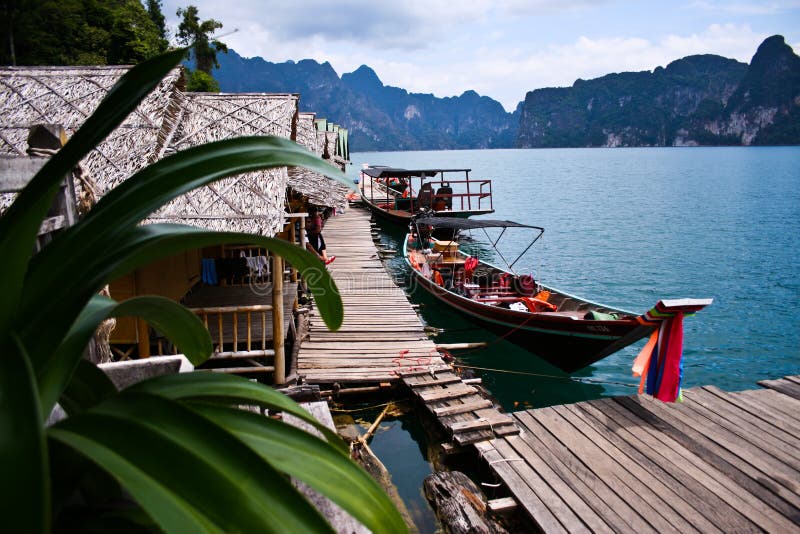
point(660, 363)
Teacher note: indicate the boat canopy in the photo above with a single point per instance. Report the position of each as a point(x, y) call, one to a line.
point(457, 223)
point(394, 172)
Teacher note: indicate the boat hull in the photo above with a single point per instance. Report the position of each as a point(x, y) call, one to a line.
point(563, 341)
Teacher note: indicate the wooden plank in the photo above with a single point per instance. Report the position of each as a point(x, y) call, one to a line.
point(51, 224)
point(784, 443)
point(728, 435)
point(775, 400)
point(451, 392)
point(572, 499)
point(428, 380)
point(708, 484)
point(15, 173)
point(740, 471)
point(502, 505)
point(608, 461)
point(478, 424)
point(466, 407)
point(674, 490)
point(782, 386)
point(594, 490)
point(762, 410)
point(538, 511)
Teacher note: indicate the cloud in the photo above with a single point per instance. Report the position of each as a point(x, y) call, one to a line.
point(406, 25)
point(747, 8)
point(500, 48)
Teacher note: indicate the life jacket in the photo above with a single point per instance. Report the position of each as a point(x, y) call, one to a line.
point(536, 305)
point(469, 266)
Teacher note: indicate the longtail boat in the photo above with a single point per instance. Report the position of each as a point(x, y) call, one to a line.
point(397, 194)
point(567, 331)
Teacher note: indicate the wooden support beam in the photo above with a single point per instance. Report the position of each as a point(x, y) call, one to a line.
point(278, 334)
point(15, 173)
point(502, 506)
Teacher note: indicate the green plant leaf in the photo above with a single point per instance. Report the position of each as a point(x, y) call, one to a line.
point(88, 387)
point(20, 224)
point(25, 494)
point(231, 390)
point(145, 244)
point(311, 460)
point(187, 473)
point(175, 321)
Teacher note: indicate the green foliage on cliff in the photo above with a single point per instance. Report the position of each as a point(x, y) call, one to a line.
point(77, 32)
point(697, 100)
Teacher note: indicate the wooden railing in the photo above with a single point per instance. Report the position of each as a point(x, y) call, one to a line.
point(225, 325)
point(241, 333)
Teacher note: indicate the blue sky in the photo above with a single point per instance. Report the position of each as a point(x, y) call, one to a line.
point(499, 48)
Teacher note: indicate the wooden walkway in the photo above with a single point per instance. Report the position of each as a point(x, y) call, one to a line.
point(383, 340)
point(382, 334)
point(718, 462)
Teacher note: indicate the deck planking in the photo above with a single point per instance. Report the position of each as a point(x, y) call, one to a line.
point(717, 462)
point(381, 335)
point(382, 339)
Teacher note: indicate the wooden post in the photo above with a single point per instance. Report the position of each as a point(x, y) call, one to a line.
point(142, 330)
point(277, 319)
point(293, 241)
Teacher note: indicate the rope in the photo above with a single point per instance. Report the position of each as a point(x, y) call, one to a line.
point(366, 408)
point(542, 375)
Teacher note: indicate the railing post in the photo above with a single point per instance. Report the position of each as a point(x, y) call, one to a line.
point(277, 319)
point(292, 240)
point(469, 198)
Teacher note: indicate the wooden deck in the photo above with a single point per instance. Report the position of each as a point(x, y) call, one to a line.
point(382, 340)
point(459, 408)
point(382, 334)
point(718, 462)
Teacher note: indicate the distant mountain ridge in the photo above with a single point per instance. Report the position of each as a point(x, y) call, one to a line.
point(377, 116)
point(697, 100)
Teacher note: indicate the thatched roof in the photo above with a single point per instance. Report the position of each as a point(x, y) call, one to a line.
point(67, 96)
point(320, 189)
point(167, 121)
point(251, 202)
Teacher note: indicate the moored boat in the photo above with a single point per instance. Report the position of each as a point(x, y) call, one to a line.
point(397, 194)
point(567, 331)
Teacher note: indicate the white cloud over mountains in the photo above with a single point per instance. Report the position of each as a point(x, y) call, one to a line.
point(500, 48)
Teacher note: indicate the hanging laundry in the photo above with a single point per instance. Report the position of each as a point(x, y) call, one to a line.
point(208, 271)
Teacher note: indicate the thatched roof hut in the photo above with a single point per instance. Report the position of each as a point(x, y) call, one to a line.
point(167, 121)
point(251, 202)
point(67, 96)
point(318, 188)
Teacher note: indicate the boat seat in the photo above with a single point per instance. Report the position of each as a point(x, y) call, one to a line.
point(425, 196)
point(445, 194)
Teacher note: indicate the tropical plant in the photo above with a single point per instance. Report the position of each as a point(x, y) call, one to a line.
point(199, 34)
point(173, 453)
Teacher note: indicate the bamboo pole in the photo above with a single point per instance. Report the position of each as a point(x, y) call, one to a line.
point(363, 439)
point(292, 240)
point(277, 319)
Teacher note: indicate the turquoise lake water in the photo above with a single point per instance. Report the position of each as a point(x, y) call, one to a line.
point(627, 227)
